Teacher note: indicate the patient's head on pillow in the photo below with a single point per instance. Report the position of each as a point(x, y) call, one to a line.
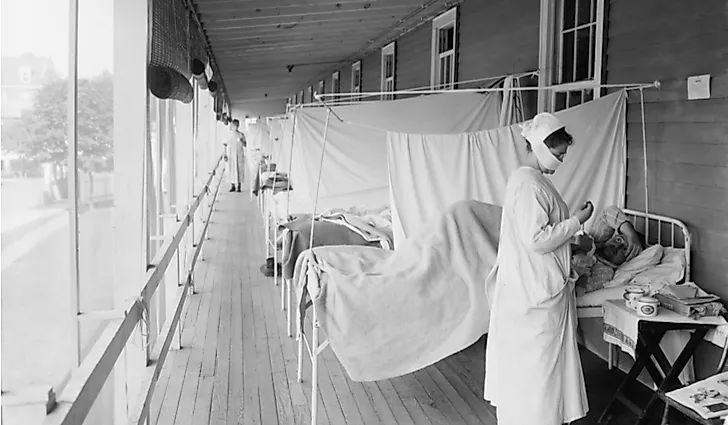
point(615, 249)
point(613, 252)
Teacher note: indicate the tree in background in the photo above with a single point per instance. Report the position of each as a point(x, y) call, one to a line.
point(47, 126)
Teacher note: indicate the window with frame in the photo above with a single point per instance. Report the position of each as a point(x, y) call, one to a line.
point(356, 78)
point(309, 94)
point(322, 87)
point(578, 33)
point(444, 50)
point(388, 61)
point(336, 82)
point(25, 74)
point(300, 96)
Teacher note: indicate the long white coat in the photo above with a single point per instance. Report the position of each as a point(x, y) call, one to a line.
point(235, 150)
point(533, 369)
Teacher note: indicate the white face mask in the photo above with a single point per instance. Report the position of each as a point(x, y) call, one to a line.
point(545, 157)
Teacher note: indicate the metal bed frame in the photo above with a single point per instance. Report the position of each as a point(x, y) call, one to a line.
point(667, 231)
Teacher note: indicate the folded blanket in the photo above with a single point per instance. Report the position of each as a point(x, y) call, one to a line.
point(360, 226)
point(389, 313)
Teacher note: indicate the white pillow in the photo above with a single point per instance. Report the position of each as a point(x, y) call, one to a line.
point(670, 270)
point(646, 259)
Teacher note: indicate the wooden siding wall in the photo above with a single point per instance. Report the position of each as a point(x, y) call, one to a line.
point(412, 54)
point(497, 37)
point(371, 73)
point(687, 140)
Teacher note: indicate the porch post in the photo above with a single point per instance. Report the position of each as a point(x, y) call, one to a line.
point(545, 53)
point(131, 29)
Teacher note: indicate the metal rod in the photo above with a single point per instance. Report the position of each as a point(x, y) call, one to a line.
point(477, 80)
point(72, 176)
point(633, 86)
point(318, 98)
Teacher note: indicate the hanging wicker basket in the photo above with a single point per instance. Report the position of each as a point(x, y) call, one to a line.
point(198, 71)
point(166, 83)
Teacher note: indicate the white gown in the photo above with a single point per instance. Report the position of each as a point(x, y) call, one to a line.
point(533, 372)
point(236, 157)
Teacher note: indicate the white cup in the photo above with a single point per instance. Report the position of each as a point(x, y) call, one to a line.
point(632, 295)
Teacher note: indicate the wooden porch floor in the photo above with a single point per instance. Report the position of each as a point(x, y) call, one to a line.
point(238, 366)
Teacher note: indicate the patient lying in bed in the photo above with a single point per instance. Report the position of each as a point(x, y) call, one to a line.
point(611, 242)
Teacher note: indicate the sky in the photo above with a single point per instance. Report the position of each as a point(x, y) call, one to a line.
point(41, 27)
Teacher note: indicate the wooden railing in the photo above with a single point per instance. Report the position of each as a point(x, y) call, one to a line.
point(78, 395)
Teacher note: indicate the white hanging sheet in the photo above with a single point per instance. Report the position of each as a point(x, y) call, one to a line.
point(427, 173)
point(355, 162)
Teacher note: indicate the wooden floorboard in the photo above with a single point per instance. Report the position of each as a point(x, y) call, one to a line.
point(237, 364)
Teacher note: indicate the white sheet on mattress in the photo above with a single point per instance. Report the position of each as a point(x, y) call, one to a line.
point(670, 271)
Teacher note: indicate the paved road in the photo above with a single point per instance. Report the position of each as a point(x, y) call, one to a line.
point(36, 297)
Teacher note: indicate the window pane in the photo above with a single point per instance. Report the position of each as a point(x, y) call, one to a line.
point(446, 39)
point(574, 98)
point(36, 284)
point(592, 51)
point(388, 62)
point(584, 11)
point(441, 72)
point(569, 16)
point(567, 58)
point(448, 70)
point(582, 54)
point(588, 95)
point(560, 101)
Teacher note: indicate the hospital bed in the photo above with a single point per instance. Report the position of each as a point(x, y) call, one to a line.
point(292, 231)
point(669, 232)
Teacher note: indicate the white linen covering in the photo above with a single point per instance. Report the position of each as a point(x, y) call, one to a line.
point(355, 161)
point(429, 172)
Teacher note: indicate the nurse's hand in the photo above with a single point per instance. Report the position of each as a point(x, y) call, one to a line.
point(585, 212)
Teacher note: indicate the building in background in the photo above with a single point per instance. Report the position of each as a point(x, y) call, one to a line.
point(22, 77)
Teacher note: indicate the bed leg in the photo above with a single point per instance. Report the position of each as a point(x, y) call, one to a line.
point(283, 295)
point(314, 373)
point(272, 243)
point(299, 338)
point(267, 235)
point(610, 356)
point(287, 285)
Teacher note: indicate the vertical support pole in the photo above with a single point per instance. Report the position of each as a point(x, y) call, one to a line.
point(72, 173)
point(289, 290)
point(545, 53)
point(131, 31)
point(314, 367)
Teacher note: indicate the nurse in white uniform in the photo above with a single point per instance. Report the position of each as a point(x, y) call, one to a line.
point(235, 153)
point(533, 372)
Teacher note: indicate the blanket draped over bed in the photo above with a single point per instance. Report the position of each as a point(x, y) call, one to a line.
point(389, 313)
point(333, 230)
